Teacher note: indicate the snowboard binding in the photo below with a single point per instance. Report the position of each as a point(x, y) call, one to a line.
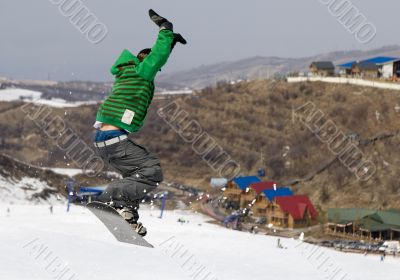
point(129, 216)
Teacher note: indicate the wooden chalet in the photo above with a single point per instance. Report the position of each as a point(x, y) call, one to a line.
point(366, 70)
point(260, 206)
point(295, 211)
point(265, 198)
point(322, 68)
point(236, 188)
point(254, 191)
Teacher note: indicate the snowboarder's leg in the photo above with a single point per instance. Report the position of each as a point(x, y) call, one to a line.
point(141, 171)
point(125, 192)
point(124, 195)
point(129, 158)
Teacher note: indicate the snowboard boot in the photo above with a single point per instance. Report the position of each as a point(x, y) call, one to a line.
point(140, 229)
point(129, 216)
point(126, 213)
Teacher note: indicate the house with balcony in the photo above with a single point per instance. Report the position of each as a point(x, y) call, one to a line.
point(254, 190)
point(236, 187)
point(295, 211)
point(265, 198)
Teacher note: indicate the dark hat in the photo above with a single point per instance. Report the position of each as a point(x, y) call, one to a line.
point(144, 51)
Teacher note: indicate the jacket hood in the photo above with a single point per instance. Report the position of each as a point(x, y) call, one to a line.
point(126, 57)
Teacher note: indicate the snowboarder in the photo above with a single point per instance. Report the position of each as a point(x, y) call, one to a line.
point(124, 112)
point(51, 209)
point(231, 219)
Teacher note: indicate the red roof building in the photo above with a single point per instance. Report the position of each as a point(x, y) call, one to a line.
point(262, 186)
point(292, 211)
point(297, 205)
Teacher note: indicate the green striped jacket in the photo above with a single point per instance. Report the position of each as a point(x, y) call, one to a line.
point(133, 87)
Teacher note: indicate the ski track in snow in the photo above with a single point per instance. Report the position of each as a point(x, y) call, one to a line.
point(81, 243)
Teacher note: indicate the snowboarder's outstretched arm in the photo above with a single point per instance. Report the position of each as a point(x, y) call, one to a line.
point(161, 50)
point(159, 55)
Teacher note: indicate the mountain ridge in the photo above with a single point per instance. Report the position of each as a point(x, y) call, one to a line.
point(257, 67)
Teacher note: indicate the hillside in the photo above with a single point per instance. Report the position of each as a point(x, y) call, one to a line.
point(261, 67)
point(21, 183)
point(252, 121)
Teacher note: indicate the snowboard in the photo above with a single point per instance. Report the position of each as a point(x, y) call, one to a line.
point(116, 224)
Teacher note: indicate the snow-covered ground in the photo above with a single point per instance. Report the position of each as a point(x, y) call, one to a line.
point(18, 94)
point(42, 83)
point(61, 103)
point(22, 191)
point(15, 94)
point(71, 172)
point(37, 245)
point(175, 92)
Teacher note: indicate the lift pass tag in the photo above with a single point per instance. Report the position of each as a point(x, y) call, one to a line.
point(128, 116)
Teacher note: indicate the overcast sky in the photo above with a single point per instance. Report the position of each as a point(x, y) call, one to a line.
point(38, 42)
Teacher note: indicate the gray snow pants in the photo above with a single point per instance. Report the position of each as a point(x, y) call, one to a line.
point(141, 172)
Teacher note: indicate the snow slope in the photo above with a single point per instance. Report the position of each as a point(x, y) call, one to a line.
point(15, 94)
point(71, 172)
point(37, 245)
point(23, 191)
point(18, 94)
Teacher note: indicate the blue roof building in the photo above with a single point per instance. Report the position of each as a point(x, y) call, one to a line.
point(244, 182)
point(347, 65)
point(378, 60)
point(271, 194)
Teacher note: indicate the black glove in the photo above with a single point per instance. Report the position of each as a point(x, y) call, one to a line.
point(178, 39)
point(163, 23)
